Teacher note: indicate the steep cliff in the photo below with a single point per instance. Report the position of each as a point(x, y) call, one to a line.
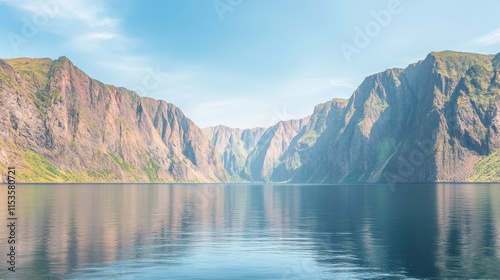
point(325, 116)
point(233, 145)
point(58, 124)
point(267, 155)
point(436, 120)
point(432, 121)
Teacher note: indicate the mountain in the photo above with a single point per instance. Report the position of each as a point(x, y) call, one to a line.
point(233, 145)
point(273, 154)
point(255, 154)
point(326, 115)
point(436, 120)
point(263, 160)
point(58, 124)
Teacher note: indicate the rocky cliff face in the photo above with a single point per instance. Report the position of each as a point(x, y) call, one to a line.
point(432, 121)
point(233, 145)
point(263, 160)
point(60, 125)
point(436, 120)
point(260, 154)
point(325, 116)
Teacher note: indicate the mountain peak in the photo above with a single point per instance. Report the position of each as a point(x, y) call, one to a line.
point(458, 57)
point(340, 100)
point(456, 64)
point(496, 61)
point(80, 129)
point(63, 58)
point(82, 124)
point(453, 54)
point(38, 65)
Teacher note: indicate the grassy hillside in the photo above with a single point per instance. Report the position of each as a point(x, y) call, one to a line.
point(487, 169)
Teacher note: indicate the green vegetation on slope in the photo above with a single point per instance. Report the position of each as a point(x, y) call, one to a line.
point(487, 169)
point(151, 169)
point(36, 71)
point(39, 169)
point(309, 138)
point(145, 173)
point(454, 64)
point(6, 79)
point(478, 82)
point(236, 148)
point(128, 168)
point(384, 150)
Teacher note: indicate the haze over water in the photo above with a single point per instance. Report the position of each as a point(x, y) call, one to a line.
point(240, 231)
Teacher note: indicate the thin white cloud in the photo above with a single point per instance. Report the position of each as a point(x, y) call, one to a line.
point(92, 13)
point(96, 37)
point(343, 83)
point(86, 25)
point(491, 38)
point(90, 29)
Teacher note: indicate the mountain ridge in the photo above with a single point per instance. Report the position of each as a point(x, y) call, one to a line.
point(363, 143)
point(85, 130)
point(435, 120)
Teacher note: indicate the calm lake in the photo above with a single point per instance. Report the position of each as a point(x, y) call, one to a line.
point(239, 231)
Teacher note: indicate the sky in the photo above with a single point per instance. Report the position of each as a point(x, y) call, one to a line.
point(244, 63)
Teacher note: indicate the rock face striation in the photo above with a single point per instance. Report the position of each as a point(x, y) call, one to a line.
point(58, 124)
point(429, 122)
point(436, 120)
point(233, 146)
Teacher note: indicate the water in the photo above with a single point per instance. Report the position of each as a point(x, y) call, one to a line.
point(184, 231)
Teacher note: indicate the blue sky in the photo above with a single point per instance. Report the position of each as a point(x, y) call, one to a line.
point(244, 63)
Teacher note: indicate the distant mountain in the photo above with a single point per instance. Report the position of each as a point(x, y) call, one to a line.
point(273, 154)
point(233, 146)
point(436, 120)
point(59, 125)
point(257, 154)
point(263, 160)
point(325, 116)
